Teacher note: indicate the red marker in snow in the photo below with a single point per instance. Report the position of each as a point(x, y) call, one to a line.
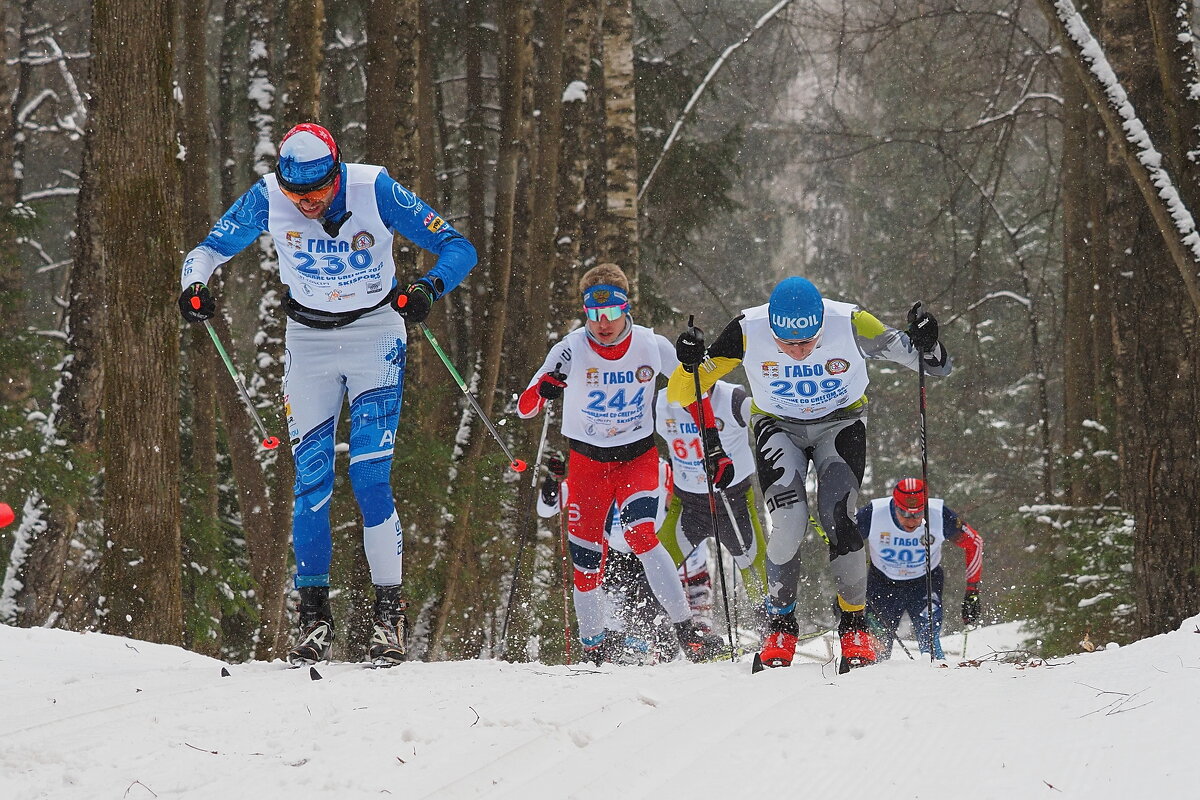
point(6, 515)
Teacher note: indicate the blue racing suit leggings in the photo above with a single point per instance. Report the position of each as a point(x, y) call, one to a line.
point(889, 600)
point(323, 366)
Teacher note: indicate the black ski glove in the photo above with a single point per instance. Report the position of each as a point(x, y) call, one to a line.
point(719, 464)
point(550, 491)
point(551, 385)
point(922, 329)
point(970, 606)
point(689, 348)
point(196, 303)
point(556, 466)
point(414, 302)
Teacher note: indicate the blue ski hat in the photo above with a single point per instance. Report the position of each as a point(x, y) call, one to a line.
point(796, 309)
point(308, 158)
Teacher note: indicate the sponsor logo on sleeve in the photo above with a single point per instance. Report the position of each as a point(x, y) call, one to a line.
point(433, 222)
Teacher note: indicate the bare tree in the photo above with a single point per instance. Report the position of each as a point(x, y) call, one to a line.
point(131, 132)
point(516, 25)
point(303, 56)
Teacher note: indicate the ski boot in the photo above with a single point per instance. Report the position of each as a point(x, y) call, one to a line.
point(779, 645)
point(697, 645)
point(604, 648)
point(634, 651)
point(698, 589)
point(315, 636)
point(387, 646)
point(858, 645)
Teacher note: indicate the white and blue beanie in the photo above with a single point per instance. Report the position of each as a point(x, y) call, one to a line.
point(308, 157)
point(796, 309)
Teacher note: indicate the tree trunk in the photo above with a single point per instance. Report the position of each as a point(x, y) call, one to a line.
point(548, 100)
point(619, 226)
point(1157, 375)
point(516, 26)
point(269, 551)
point(131, 131)
point(581, 24)
point(199, 474)
point(8, 127)
point(303, 62)
point(1087, 329)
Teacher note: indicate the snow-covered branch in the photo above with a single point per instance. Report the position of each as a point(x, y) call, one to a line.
point(712, 71)
point(1142, 158)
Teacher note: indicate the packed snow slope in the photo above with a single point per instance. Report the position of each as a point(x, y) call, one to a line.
point(92, 716)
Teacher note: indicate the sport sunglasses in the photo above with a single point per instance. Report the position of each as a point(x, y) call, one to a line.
point(610, 313)
point(317, 195)
point(909, 514)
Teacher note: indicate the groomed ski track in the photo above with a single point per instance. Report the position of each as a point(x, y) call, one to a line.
point(90, 716)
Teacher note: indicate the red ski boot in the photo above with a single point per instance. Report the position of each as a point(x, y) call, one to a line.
point(858, 645)
point(779, 645)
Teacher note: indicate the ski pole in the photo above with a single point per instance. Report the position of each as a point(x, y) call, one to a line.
point(562, 570)
point(927, 538)
point(269, 442)
point(737, 531)
point(712, 497)
point(530, 518)
point(514, 463)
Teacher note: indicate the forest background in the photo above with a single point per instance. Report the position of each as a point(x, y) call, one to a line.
point(956, 153)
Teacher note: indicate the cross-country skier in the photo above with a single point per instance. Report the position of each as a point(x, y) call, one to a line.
point(689, 520)
point(332, 224)
point(806, 360)
point(605, 374)
point(894, 528)
point(633, 618)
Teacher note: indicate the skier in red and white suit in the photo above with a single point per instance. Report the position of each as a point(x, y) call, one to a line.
point(605, 373)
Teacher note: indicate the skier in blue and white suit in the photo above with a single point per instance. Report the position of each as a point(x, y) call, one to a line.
point(332, 225)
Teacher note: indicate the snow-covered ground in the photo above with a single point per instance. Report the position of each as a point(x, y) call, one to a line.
point(92, 716)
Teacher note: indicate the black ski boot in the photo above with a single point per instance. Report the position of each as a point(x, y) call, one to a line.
point(606, 649)
point(391, 628)
point(698, 645)
point(315, 636)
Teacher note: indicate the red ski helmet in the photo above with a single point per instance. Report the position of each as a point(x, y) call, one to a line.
point(909, 497)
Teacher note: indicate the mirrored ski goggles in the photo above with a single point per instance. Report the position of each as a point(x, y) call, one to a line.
point(318, 195)
point(610, 313)
point(908, 513)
